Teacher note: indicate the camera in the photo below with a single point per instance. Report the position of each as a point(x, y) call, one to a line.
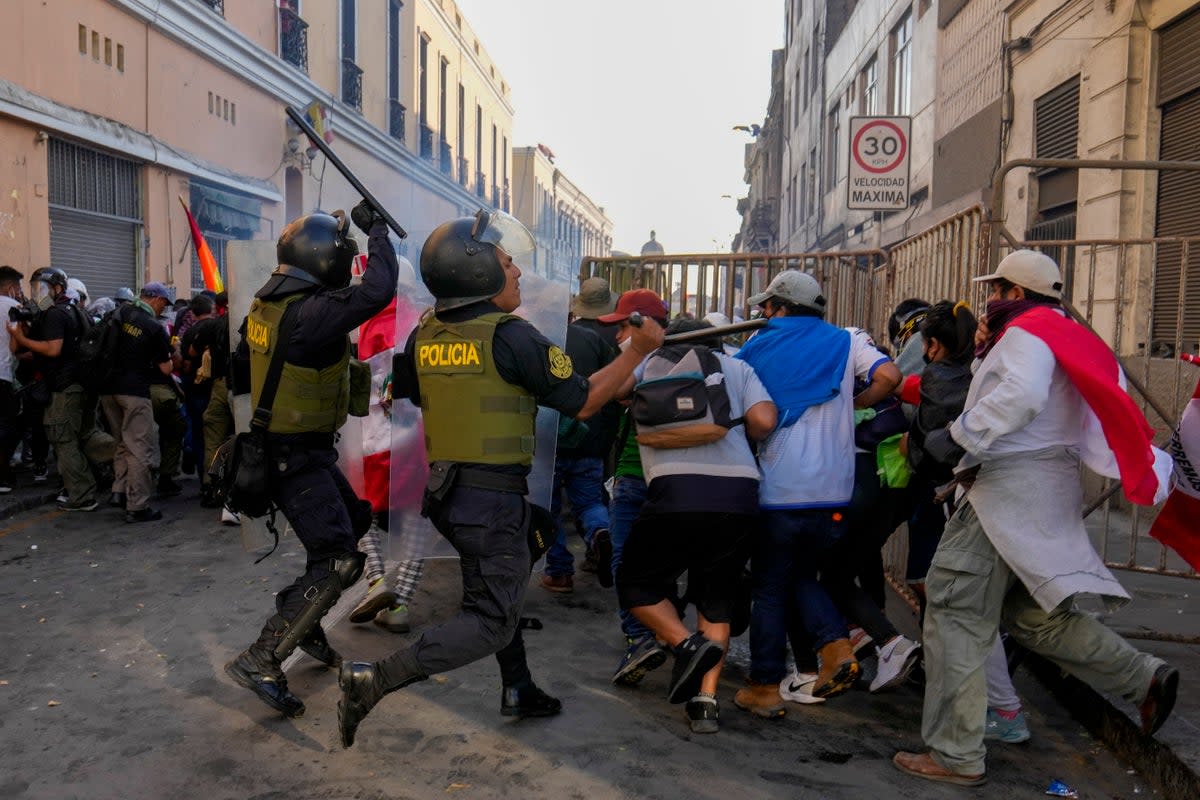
point(25, 312)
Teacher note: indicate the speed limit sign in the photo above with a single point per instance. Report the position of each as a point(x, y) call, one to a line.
point(879, 163)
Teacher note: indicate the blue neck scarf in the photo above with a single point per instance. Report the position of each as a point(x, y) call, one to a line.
point(800, 361)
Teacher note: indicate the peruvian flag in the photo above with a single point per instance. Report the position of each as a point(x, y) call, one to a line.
point(376, 343)
point(1178, 524)
point(1094, 371)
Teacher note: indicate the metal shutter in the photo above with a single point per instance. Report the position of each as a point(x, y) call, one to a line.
point(1179, 59)
point(1178, 215)
point(1056, 121)
point(98, 250)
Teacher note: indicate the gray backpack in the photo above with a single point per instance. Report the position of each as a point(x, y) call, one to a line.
point(681, 400)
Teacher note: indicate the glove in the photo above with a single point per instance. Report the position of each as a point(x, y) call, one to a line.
point(364, 216)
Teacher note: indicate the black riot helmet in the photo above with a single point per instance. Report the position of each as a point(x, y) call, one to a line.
point(459, 262)
point(313, 251)
point(50, 275)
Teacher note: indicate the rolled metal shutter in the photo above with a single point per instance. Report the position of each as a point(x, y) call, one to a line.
point(1179, 58)
point(98, 250)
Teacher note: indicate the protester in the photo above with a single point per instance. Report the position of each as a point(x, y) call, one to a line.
point(195, 379)
point(10, 402)
point(165, 399)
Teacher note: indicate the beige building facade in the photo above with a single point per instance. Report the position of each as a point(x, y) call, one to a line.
point(567, 224)
point(112, 109)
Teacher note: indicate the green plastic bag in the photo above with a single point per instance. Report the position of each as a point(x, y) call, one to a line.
point(894, 471)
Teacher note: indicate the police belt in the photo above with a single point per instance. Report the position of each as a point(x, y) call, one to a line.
point(475, 478)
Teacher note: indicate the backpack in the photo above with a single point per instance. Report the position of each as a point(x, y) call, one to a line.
point(97, 351)
point(682, 400)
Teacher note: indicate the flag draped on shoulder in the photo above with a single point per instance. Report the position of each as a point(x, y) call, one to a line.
point(1178, 524)
point(1096, 374)
point(208, 264)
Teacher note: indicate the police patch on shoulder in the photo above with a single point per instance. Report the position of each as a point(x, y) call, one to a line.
point(560, 363)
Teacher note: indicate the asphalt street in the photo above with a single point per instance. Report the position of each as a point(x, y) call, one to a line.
point(114, 637)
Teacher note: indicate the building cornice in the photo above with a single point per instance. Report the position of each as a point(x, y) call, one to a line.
point(208, 34)
point(469, 52)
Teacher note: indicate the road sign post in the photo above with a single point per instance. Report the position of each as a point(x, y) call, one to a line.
point(879, 163)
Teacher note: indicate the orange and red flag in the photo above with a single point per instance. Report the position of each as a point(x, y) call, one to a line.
point(208, 264)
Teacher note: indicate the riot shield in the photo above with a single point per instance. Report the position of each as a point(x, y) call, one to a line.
point(248, 265)
point(545, 304)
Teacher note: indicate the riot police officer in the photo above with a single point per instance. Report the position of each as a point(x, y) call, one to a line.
point(312, 282)
point(478, 372)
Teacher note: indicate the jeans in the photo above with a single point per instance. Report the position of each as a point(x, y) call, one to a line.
point(628, 496)
point(583, 478)
point(787, 557)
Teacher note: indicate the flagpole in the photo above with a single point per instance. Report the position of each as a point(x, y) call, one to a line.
point(321, 145)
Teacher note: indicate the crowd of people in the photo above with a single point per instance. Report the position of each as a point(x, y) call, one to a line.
point(127, 391)
point(755, 480)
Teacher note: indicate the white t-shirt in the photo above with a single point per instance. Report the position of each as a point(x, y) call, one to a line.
point(811, 464)
point(7, 359)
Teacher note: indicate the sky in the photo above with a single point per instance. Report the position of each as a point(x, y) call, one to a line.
point(637, 99)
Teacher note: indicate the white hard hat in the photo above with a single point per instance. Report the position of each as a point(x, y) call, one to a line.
point(79, 286)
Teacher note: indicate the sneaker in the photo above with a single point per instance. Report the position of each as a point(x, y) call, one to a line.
point(561, 584)
point(229, 517)
point(146, 514)
point(896, 660)
point(90, 505)
point(5, 488)
point(377, 599)
point(798, 687)
point(1009, 731)
point(602, 548)
point(63, 497)
point(40, 473)
point(394, 619)
point(702, 713)
point(694, 656)
point(529, 701)
point(761, 699)
point(641, 656)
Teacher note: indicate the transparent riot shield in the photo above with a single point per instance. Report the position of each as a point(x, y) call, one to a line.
point(248, 265)
point(545, 304)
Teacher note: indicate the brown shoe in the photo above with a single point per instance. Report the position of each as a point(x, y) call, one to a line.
point(839, 669)
point(563, 584)
point(922, 765)
point(1160, 699)
point(761, 699)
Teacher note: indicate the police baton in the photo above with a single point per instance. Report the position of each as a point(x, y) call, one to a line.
point(324, 147)
point(635, 319)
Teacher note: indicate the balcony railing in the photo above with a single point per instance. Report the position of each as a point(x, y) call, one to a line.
point(480, 186)
point(396, 119)
point(464, 172)
point(445, 158)
point(293, 39)
point(426, 142)
point(216, 5)
point(495, 196)
point(352, 84)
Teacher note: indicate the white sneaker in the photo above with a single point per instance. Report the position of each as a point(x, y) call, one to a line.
point(896, 660)
point(797, 687)
point(230, 517)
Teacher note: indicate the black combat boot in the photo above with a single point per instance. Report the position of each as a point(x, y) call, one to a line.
point(258, 670)
point(364, 684)
point(528, 701)
point(317, 646)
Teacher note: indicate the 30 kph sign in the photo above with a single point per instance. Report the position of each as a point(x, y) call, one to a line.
point(879, 163)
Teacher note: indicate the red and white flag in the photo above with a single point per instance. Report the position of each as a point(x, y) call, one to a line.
point(376, 344)
point(1178, 524)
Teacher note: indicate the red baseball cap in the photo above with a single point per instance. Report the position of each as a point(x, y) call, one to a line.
point(643, 301)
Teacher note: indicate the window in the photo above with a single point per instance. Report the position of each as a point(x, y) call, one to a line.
point(462, 133)
point(210, 102)
point(108, 51)
point(800, 87)
point(811, 187)
point(395, 107)
point(802, 198)
point(797, 91)
point(832, 146)
point(442, 68)
point(869, 94)
point(120, 58)
point(83, 39)
point(95, 46)
point(423, 81)
point(348, 29)
point(815, 65)
point(901, 42)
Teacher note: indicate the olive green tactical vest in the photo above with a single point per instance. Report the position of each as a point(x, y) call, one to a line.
point(471, 414)
point(308, 400)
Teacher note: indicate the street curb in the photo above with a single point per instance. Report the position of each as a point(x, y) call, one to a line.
point(11, 506)
point(1156, 762)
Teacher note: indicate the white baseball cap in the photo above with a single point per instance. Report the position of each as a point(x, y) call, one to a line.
point(795, 287)
point(1030, 270)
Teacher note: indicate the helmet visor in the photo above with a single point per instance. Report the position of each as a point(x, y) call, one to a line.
point(505, 232)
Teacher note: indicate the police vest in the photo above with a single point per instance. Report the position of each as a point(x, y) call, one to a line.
point(308, 400)
point(471, 414)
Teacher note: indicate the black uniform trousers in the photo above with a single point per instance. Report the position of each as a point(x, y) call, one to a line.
point(488, 529)
point(323, 510)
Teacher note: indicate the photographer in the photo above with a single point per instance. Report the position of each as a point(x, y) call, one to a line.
point(53, 339)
